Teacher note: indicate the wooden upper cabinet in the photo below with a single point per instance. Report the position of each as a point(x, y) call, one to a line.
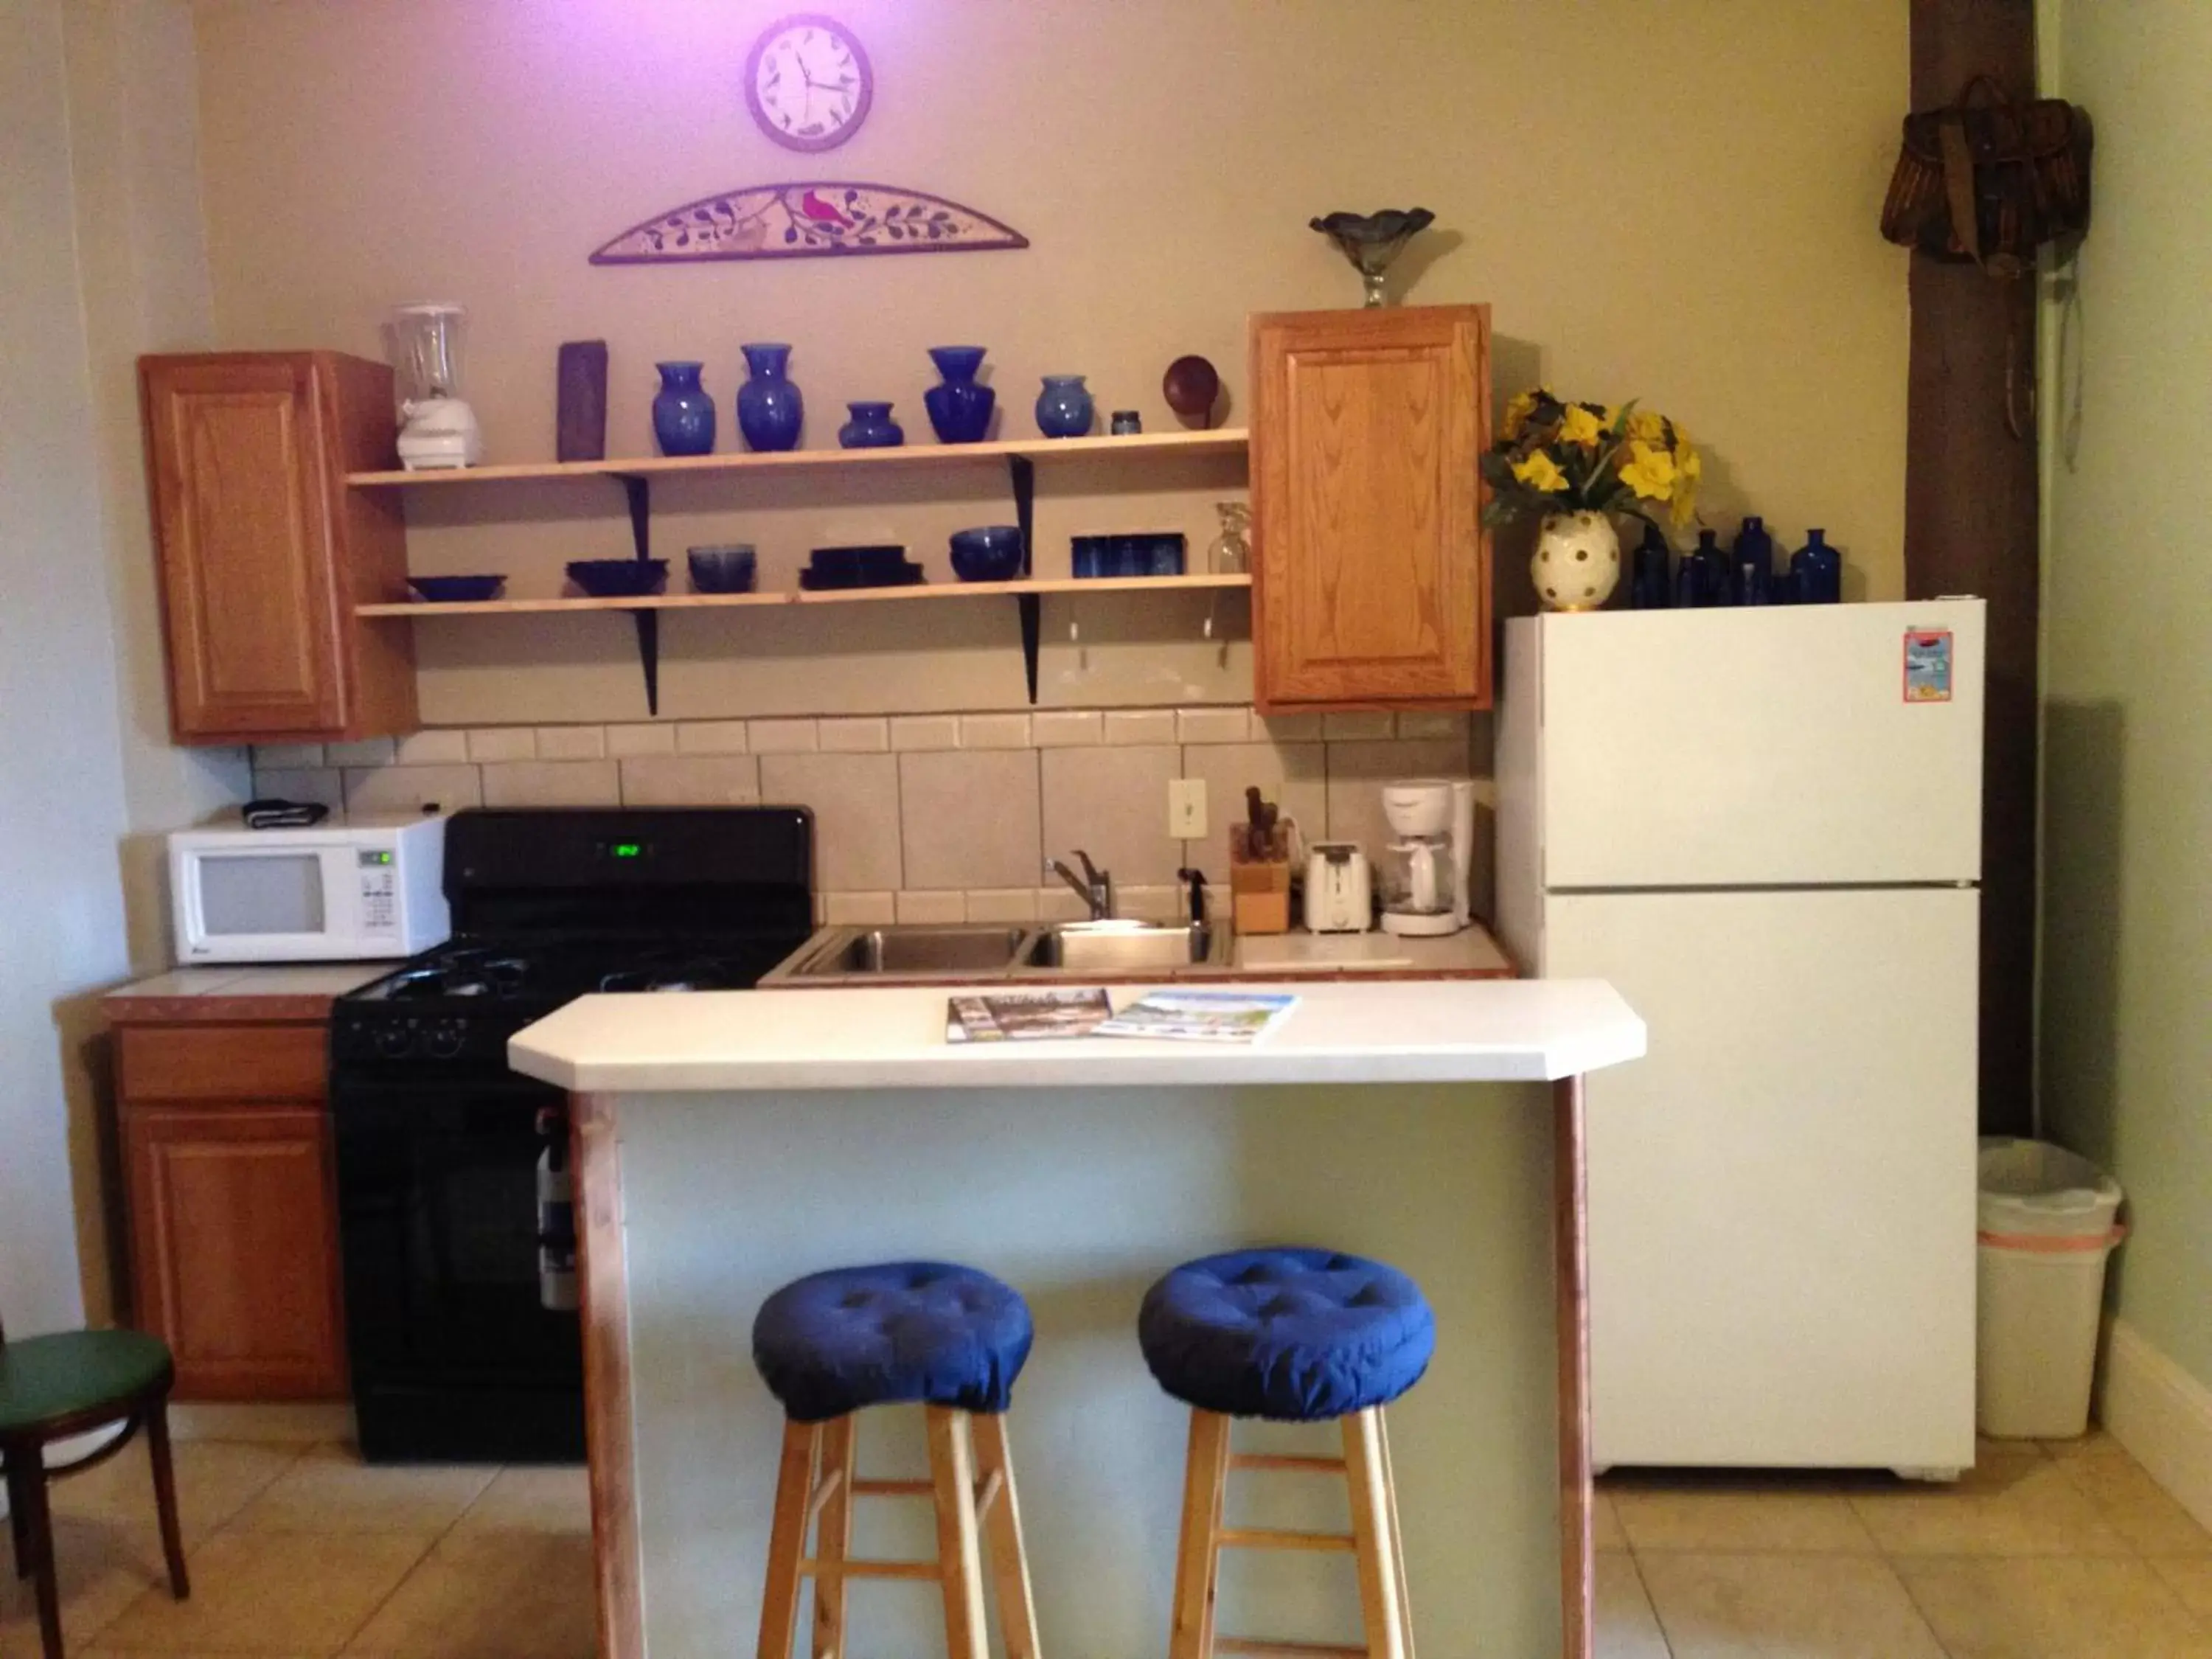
point(1371, 569)
point(265, 551)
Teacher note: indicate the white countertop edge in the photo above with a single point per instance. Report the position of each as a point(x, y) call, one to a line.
point(1454, 1031)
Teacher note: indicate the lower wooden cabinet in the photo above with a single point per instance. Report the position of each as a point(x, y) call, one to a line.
point(232, 1218)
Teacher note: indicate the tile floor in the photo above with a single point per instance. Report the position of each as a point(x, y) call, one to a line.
point(2063, 1551)
point(2060, 1551)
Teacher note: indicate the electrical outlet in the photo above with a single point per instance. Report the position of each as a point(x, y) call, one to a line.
point(1187, 809)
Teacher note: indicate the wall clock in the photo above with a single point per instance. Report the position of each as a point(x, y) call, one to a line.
point(808, 82)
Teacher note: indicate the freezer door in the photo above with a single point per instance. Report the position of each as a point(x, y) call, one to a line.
point(1758, 747)
point(1781, 1195)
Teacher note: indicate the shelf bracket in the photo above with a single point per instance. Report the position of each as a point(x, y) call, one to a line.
point(637, 489)
point(1024, 471)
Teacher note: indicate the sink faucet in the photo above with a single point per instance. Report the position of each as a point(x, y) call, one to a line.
point(1095, 887)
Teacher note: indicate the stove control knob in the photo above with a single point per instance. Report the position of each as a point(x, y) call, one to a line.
point(445, 1041)
point(394, 1041)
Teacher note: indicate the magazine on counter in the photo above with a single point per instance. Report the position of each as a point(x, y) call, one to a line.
point(1025, 1016)
point(1202, 1016)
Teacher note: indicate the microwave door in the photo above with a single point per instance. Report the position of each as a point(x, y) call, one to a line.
point(278, 903)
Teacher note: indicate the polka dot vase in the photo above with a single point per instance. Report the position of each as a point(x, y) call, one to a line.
point(1577, 561)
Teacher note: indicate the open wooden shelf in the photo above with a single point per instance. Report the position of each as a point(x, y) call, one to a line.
point(1227, 441)
point(823, 596)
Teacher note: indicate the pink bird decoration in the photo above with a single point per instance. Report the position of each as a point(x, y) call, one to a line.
point(815, 208)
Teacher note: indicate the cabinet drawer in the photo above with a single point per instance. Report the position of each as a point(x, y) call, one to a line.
point(223, 1062)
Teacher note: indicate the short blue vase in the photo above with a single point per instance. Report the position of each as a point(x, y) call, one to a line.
point(770, 408)
point(870, 428)
point(1064, 409)
point(959, 408)
point(683, 413)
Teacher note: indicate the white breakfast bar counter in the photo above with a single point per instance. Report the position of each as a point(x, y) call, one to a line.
point(729, 1142)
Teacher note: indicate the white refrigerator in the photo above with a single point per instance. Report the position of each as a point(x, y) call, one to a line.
point(1764, 827)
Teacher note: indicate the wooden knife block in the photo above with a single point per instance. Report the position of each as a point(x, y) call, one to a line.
point(1260, 896)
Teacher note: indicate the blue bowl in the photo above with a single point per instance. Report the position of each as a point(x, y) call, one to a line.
point(991, 554)
point(619, 579)
point(728, 569)
point(456, 590)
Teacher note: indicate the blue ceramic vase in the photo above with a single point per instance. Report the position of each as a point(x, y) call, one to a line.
point(683, 413)
point(1064, 409)
point(958, 408)
point(770, 408)
point(870, 428)
point(1817, 571)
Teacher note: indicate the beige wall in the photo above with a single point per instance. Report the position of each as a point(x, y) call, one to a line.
point(2127, 1048)
point(1679, 210)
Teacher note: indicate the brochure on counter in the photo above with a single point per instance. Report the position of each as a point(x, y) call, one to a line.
point(1175, 1016)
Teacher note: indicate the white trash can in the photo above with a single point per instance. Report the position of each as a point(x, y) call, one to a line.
point(2046, 1228)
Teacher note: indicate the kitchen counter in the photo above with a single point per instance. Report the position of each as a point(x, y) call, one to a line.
point(301, 991)
point(729, 1142)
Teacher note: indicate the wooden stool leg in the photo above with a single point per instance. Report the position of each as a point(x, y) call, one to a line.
point(1002, 1524)
point(165, 1498)
point(18, 1513)
point(1366, 1470)
point(28, 1486)
point(1397, 1537)
point(959, 1560)
point(1198, 1552)
point(786, 1539)
point(832, 1538)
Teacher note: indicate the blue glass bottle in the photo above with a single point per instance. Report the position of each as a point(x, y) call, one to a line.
point(1818, 570)
point(683, 413)
point(1702, 578)
point(770, 408)
point(1753, 558)
point(1650, 583)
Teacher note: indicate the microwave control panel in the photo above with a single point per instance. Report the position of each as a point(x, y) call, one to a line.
point(379, 877)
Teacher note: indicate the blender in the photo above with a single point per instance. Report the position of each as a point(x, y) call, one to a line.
point(438, 430)
point(1425, 869)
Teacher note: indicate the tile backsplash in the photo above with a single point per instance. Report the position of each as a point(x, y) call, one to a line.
point(932, 817)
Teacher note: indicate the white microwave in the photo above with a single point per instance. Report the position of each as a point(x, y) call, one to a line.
point(336, 893)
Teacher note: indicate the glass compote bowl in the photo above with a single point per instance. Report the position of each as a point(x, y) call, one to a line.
point(1372, 241)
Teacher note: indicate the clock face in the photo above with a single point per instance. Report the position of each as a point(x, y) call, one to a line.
point(808, 83)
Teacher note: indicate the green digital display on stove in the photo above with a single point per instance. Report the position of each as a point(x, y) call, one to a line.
point(627, 849)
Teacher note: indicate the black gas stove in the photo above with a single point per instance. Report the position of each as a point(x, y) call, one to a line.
point(452, 1173)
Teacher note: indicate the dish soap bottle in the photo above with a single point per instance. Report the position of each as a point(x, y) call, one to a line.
point(1818, 570)
point(1753, 559)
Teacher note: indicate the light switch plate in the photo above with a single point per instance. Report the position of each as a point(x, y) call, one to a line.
point(1187, 809)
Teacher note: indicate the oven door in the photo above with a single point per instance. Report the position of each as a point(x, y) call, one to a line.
point(462, 1323)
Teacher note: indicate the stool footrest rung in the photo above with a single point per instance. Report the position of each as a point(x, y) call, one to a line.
point(893, 1489)
point(1286, 1461)
point(1260, 1648)
point(927, 1571)
point(1261, 1538)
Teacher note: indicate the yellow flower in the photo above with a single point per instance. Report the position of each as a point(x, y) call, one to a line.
point(1689, 469)
point(1646, 427)
point(1517, 411)
point(1580, 426)
point(1649, 472)
point(1540, 473)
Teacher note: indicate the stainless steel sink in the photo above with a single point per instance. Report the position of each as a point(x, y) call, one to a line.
point(1084, 947)
point(852, 952)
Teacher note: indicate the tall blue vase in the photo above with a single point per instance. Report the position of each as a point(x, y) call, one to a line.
point(770, 408)
point(683, 413)
point(958, 408)
point(1064, 409)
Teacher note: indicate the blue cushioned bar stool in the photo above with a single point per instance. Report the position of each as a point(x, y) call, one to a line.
point(948, 1339)
point(1291, 1336)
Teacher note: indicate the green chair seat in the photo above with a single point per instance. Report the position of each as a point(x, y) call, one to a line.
point(44, 1379)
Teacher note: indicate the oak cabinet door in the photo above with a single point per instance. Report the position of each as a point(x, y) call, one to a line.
point(1370, 569)
point(235, 1248)
point(243, 513)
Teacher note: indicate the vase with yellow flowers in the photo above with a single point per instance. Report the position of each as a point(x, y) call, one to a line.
point(1575, 467)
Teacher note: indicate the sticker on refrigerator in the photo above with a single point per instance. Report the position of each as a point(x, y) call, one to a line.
point(1928, 665)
